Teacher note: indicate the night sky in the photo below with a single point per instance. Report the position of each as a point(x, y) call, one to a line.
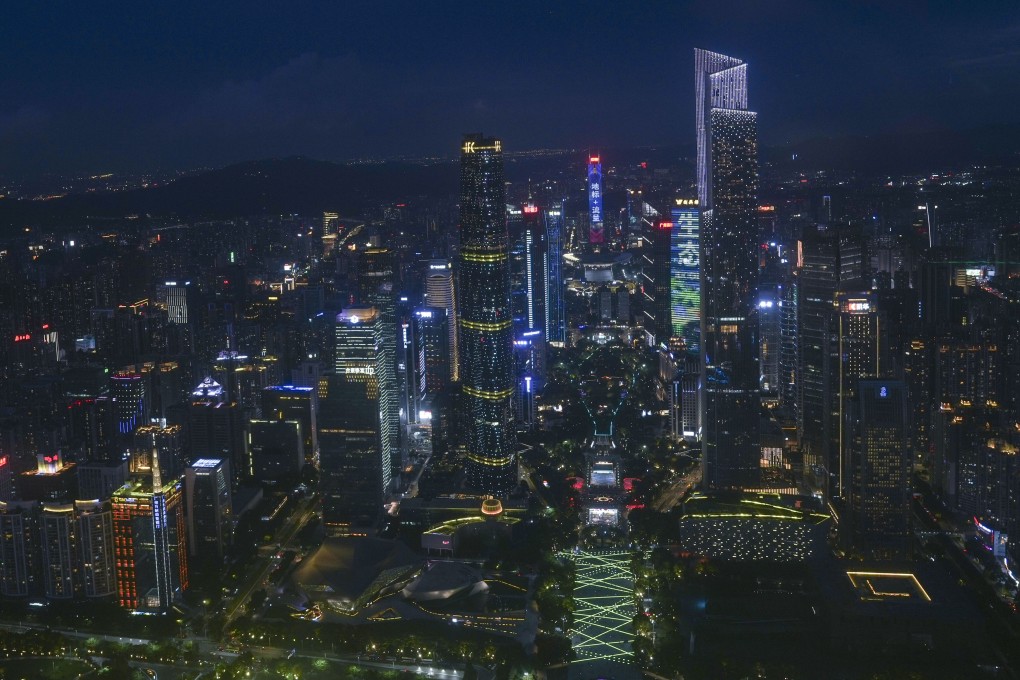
point(95, 87)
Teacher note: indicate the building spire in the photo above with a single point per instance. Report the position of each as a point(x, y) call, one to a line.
point(157, 482)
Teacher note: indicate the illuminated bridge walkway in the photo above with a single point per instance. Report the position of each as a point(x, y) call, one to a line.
point(603, 615)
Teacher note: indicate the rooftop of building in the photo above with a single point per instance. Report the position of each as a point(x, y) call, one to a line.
point(356, 315)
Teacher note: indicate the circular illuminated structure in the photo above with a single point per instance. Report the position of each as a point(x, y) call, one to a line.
point(491, 507)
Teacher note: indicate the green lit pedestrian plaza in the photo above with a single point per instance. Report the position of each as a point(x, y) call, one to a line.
point(603, 615)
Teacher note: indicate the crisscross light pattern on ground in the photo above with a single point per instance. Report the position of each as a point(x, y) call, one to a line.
point(604, 606)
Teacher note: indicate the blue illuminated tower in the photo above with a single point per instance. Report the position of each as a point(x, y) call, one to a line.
point(727, 139)
point(486, 346)
point(596, 233)
point(555, 318)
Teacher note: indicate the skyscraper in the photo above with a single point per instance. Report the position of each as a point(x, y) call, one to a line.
point(150, 541)
point(330, 232)
point(817, 284)
point(657, 272)
point(18, 524)
point(376, 281)
point(440, 292)
point(207, 494)
point(95, 541)
point(527, 271)
point(486, 360)
point(596, 232)
point(291, 402)
point(216, 428)
point(859, 352)
point(127, 391)
point(58, 560)
point(685, 271)
point(727, 141)
point(354, 436)
point(180, 299)
point(428, 358)
point(555, 318)
point(877, 517)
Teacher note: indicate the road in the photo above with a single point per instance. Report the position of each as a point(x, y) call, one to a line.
point(210, 653)
point(265, 563)
point(1001, 622)
point(672, 494)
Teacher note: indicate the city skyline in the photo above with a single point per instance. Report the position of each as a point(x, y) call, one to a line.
point(652, 400)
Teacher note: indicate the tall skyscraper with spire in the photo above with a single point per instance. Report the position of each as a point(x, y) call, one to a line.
point(486, 346)
point(150, 543)
point(727, 142)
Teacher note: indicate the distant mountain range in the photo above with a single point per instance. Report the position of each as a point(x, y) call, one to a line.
point(266, 187)
point(301, 185)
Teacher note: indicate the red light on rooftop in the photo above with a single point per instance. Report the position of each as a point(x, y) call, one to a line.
point(665, 225)
point(530, 209)
point(594, 159)
point(644, 165)
point(23, 337)
point(45, 326)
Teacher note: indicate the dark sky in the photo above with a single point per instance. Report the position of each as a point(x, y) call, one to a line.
point(114, 86)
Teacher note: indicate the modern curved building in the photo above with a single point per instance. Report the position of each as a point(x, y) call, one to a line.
point(486, 343)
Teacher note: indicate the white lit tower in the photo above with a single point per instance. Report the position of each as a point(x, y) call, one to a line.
point(727, 142)
point(439, 292)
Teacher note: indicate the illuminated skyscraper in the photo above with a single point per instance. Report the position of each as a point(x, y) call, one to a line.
point(527, 271)
point(727, 141)
point(58, 543)
point(291, 402)
point(657, 286)
point(428, 359)
point(18, 568)
point(216, 428)
point(555, 317)
point(95, 542)
point(596, 232)
point(127, 392)
point(180, 299)
point(486, 359)
point(376, 280)
point(330, 232)
point(207, 493)
point(877, 516)
point(354, 434)
point(770, 308)
point(719, 82)
point(169, 441)
point(685, 272)
point(527, 298)
point(859, 352)
point(439, 292)
point(150, 541)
